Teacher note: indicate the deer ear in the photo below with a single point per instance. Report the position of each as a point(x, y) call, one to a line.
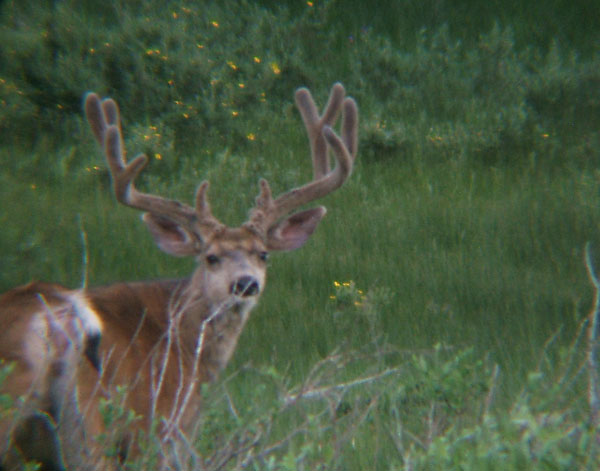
point(169, 236)
point(291, 233)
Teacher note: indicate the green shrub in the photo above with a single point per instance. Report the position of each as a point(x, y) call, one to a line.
point(197, 76)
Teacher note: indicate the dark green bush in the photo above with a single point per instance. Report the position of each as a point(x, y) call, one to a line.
point(200, 74)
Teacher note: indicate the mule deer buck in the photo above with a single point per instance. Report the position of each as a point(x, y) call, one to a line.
point(69, 349)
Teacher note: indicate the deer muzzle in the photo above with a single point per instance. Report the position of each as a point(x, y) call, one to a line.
point(245, 286)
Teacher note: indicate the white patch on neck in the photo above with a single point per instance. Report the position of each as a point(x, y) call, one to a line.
point(90, 322)
point(58, 331)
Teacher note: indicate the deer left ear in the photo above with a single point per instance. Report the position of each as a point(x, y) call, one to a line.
point(170, 236)
point(291, 233)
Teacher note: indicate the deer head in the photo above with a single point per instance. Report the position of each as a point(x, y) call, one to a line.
point(232, 260)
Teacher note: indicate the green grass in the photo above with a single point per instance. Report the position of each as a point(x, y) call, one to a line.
point(480, 257)
point(463, 224)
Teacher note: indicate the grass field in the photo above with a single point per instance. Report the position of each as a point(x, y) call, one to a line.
point(449, 271)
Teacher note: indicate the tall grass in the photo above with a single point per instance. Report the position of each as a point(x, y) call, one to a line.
point(465, 220)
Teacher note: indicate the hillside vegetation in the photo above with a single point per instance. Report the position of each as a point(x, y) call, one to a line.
point(438, 319)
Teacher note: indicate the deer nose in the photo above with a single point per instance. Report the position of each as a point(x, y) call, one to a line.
point(245, 286)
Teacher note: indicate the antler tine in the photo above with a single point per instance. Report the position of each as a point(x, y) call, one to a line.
point(268, 211)
point(314, 124)
point(95, 116)
point(203, 211)
point(103, 117)
point(350, 126)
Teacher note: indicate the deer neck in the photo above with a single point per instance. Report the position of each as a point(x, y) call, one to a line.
point(209, 330)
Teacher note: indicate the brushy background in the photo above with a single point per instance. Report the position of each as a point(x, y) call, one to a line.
point(449, 272)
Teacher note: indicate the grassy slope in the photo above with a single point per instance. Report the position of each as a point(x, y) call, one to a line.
point(479, 257)
point(471, 256)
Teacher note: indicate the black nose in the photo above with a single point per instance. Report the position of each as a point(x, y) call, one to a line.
point(245, 286)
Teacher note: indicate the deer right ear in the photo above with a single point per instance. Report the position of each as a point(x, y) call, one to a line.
point(292, 232)
point(170, 236)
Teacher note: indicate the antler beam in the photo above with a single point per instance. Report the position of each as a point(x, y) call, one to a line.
point(322, 137)
point(103, 117)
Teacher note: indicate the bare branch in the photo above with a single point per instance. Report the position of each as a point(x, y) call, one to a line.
point(593, 334)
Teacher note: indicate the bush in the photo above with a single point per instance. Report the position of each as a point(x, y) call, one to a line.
point(198, 76)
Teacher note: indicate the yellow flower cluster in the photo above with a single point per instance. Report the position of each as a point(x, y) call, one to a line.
point(157, 53)
point(347, 293)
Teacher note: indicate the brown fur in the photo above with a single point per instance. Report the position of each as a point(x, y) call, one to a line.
point(144, 325)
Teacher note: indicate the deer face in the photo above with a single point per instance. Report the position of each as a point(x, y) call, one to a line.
point(232, 261)
point(233, 268)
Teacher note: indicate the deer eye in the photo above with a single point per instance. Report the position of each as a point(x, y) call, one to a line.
point(263, 256)
point(212, 259)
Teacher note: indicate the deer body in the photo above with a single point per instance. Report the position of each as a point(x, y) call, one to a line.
point(160, 339)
